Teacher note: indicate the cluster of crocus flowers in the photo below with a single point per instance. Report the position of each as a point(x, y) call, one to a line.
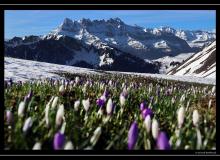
point(132, 135)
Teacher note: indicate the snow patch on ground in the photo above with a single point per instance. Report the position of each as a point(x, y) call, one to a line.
point(25, 70)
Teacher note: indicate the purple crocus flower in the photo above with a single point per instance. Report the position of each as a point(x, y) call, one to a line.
point(132, 135)
point(58, 141)
point(143, 105)
point(106, 93)
point(9, 117)
point(100, 102)
point(147, 111)
point(163, 141)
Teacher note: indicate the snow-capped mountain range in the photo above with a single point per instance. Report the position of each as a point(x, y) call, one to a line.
point(201, 64)
point(107, 44)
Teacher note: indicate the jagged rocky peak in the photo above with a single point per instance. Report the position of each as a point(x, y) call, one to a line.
point(116, 21)
point(167, 29)
point(67, 24)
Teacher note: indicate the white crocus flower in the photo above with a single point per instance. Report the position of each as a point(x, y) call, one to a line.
point(76, 105)
point(61, 89)
point(180, 116)
point(21, 109)
point(54, 103)
point(122, 100)
point(195, 117)
point(210, 103)
point(147, 123)
point(27, 124)
point(47, 109)
point(109, 107)
point(96, 136)
point(86, 104)
point(60, 115)
point(77, 80)
point(68, 146)
point(37, 146)
point(199, 139)
point(155, 128)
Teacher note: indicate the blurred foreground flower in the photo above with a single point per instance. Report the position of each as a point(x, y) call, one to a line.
point(195, 118)
point(9, 117)
point(147, 123)
point(68, 146)
point(21, 109)
point(155, 128)
point(58, 141)
point(96, 136)
point(180, 116)
point(37, 146)
point(163, 141)
point(132, 135)
point(27, 124)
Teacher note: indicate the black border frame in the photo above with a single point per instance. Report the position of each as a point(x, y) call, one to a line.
point(106, 7)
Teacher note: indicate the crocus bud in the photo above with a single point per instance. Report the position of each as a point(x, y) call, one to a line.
point(60, 115)
point(163, 142)
point(96, 135)
point(86, 104)
point(47, 109)
point(132, 135)
point(109, 108)
point(100, 102)
point(77, 80)
point(146, 112)
point(155, 128)
point(147, 123)
point(30, 94)
point(27, 125)
point(37, 146)
point(61, 89)
point(54, 103)
point(68, 146)
point(58, 141)
point(9, 117)
point(180, 116)
point(195, 117)
point(142, 106)
point(76, 105)
point(21, 109)
point(122, 100)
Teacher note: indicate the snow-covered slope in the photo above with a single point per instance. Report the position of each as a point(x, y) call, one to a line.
point(201, 64)
point(167, 63)
point(26, 70)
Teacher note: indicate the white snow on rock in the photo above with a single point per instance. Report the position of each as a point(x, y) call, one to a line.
point(197, 61)
point(26, 70)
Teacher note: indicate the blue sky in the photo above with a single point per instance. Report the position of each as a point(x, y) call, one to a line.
point(40, 22)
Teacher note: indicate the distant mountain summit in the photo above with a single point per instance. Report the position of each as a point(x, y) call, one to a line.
point(105, 44)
